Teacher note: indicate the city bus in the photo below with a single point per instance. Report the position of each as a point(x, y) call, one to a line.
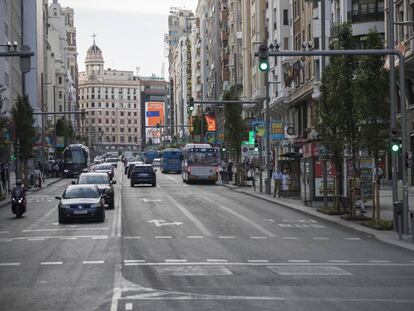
point(150, 155)
point(171, 160)
point(75, 160)
point(200, 163)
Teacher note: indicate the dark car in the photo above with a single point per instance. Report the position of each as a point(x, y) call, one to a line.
point(131, 166)
point(81, 201)
point(105, 168)
point(113, 161)
point(104, 184)
point(143, 174)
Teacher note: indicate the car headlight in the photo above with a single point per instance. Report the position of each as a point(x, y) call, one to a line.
point(66, 171)
point(64, 206)
point(13, 199)
point(20, 200)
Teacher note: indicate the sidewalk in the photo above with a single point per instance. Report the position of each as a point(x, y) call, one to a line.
point(390, 237)
point(47, 182)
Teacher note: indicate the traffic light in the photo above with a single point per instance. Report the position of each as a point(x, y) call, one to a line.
point(409, 159)
point(256, 145)
point(191, 104)
point(395, 139)
point(263, 57)
point(223, 147)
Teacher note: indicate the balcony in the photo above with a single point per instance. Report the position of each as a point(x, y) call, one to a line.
point(365, 16)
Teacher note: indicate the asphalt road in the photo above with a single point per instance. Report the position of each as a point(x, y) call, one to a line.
point(194, 247)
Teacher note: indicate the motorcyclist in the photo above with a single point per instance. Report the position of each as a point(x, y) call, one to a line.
point(19, 189)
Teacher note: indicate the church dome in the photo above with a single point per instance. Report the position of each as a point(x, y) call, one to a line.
point(94, 49)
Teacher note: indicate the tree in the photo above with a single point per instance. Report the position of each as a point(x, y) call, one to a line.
point(337, 123)
point(22, 117)
point(197, 125)
point(370, 91)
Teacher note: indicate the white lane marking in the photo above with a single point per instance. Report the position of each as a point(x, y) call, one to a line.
point(352, 239)
point(309, 270)
point(134, 260)
point(117, 219)
point(68, 238)
point(150, 200)
point(169, 177)
point(320, 238)
point(131, 237)
point(379, 261)
point(216, 260)
point(63, 229)
point(163, 237)
point(92, 262)
point(257, 260)
point(6, 240)
point(203, 263)
point(9, 264)
point(285, 225)
point(298, 260)
point(226, 237)
point(4, 231)
point(271, 220)
point(117, 292)
point(195, 237)
point(175, 260)
point(162, 223)
point(104, 237)
point(258, 237)
point(59, 237)
point(242, 217)
point(128, 306)
point(289, 238)
point(191, 217)
point(35, 239)
point(51, 263)
point(158, 186)
point(338, 261)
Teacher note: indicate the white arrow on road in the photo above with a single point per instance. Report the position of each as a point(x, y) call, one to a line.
point(160, 223)
point(149, 200)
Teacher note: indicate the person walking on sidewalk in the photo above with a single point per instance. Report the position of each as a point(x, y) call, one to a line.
point(285, 183)
point(277, 179)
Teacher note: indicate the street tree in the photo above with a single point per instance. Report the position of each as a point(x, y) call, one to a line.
point(336, 120)
point(22, 117)
point(197, 126)
point(370, 91)
point(235, 127)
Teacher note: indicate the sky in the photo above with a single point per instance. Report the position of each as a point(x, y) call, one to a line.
point(130, 33)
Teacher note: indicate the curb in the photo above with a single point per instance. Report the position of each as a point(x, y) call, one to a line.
point(7, 201)
point(356, 227)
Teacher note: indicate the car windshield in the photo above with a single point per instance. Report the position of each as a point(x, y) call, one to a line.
point(112, 160)
point(103, 167)
point(143, 169)
point(94, 179)
point(78, 192)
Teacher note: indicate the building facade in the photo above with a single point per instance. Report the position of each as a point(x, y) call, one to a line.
point(112, 102)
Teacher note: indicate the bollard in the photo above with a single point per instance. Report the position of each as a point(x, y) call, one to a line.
point(398, 208)
point(412, 225)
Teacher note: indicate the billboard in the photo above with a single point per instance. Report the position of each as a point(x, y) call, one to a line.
point(211, 123)
point(154, 114)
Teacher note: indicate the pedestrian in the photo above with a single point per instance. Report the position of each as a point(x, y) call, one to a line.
point(55, 169)
point(285, 183)
point(277, 179)
point(38, 177)
point(4, 170)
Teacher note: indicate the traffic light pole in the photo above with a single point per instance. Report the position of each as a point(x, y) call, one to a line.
point(372, 52)
point(267, 116)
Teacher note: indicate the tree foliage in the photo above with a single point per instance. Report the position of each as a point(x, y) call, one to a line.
point(197, 125)
point(22, 117)
point(235, 128)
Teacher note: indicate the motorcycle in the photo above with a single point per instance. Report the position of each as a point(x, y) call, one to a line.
point(18, 203)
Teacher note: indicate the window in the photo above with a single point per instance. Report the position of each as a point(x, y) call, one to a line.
point(129, 130)
point(60, 80)
point(113, 130)
point(121, 121)
point(285, 17)
point(122, 129)
point(135, 114)
point(129, 121)
point(122, 113)
point(107, 113)
point(122, 139)
point(129, 113)
point(113, 121)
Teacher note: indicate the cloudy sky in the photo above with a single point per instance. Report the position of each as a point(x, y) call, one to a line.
point(129, 32)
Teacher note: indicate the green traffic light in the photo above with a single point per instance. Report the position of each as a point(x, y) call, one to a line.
point(264, 66)
point(395, 147)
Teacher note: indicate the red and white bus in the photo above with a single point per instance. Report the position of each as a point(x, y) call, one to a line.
point(200, 163)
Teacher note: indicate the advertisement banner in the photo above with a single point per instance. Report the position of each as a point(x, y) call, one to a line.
point(154, 114)
point(259, 129)
point(319, 179)
point(278, 130)
point(211, 123)
point(211, 137)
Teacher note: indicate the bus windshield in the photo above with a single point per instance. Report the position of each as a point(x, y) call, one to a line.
point(75, 157)
point(202, 156)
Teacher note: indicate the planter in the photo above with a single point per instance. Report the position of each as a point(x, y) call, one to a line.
point(331, 211)
point(383, 225)
point(355, 218)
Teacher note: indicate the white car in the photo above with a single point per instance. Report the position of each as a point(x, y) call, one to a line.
point(98, 160)
point(156, 162)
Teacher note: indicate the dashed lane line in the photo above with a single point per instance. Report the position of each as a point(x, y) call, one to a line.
point(131, 237)
point(339, 261)
point(320, 238)
point(216, 260)
point(352, 239)
point(93, 262)
point(258, 237)
point(289, 238)
point(35, 239)
point(134, 260)
point(2, 232)
point(379, 261)
point(163, 237)
point(195, 237)
point(9, 264)
point(51, 263)
point(298, 261)
point(226, 237)
point(175, 260)
point(64, 229)
point(258, 260)
point(128, 306)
